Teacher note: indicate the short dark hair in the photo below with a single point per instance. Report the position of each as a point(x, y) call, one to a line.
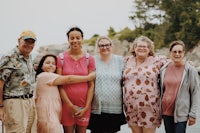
point(74, 29)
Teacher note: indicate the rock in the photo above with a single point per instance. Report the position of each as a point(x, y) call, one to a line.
point(120, 48)
point(194, 56)
point(50, 49)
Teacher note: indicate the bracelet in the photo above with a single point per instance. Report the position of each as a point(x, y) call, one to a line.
point(1, 106)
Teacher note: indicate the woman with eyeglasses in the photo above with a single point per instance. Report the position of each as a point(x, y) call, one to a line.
point(179, 91)
point(107, 112)
point(141, 91)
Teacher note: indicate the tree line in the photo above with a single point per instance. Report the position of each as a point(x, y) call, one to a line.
point(162, 21)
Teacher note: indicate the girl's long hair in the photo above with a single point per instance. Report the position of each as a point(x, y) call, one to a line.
point(39, 68)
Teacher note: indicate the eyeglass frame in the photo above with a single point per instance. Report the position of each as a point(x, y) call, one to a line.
point(177, 51)
point(105, 45)
point(142, 46)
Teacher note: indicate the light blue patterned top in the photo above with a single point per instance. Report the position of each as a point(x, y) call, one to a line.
point(108, 90)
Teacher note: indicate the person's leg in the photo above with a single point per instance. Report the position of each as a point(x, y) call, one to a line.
point(169, 124)
point(136, 129)
point(68, 129)
point(16, 119)
point(180, 127)
point(31, 113)
point(148, 130)
point(109, 132)
point(95, 124)
point(96, 131)
point(67, 120)
point(103, 132)
point(82, 123)
point(81, 129)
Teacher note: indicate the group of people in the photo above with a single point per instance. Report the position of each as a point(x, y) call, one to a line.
point(100, 92)
point(148, 98)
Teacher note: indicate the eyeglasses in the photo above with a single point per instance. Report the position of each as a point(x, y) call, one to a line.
point(141, 46)
point(105, 45)
point(177, 52)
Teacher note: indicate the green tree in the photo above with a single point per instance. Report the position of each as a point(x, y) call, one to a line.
point(179, 19)
point(92, 40)
point(184, 21)
point(126, 34)
point(146, 11)
point(111, 32)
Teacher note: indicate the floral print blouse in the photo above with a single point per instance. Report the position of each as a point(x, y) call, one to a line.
point(141, 91)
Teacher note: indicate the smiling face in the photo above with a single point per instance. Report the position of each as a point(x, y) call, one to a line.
point(75, 39)
point(141, 46)
point(104, 46)
point(177, 53)
point(49, 64)
point(142, 49)
point(26, 46)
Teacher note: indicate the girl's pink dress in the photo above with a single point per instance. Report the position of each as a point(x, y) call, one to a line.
point(48, 104)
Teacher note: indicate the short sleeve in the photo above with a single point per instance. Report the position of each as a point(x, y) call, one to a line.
point(91, 65)
point(59, 62)
point(46, 77)
point(126, 59)
point(161, 60)
point(6, 67)
point(120, 60)
point(54, 76)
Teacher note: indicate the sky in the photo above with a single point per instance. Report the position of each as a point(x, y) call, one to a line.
point(51, 19)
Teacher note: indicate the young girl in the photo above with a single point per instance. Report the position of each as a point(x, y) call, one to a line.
point(48, 101)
